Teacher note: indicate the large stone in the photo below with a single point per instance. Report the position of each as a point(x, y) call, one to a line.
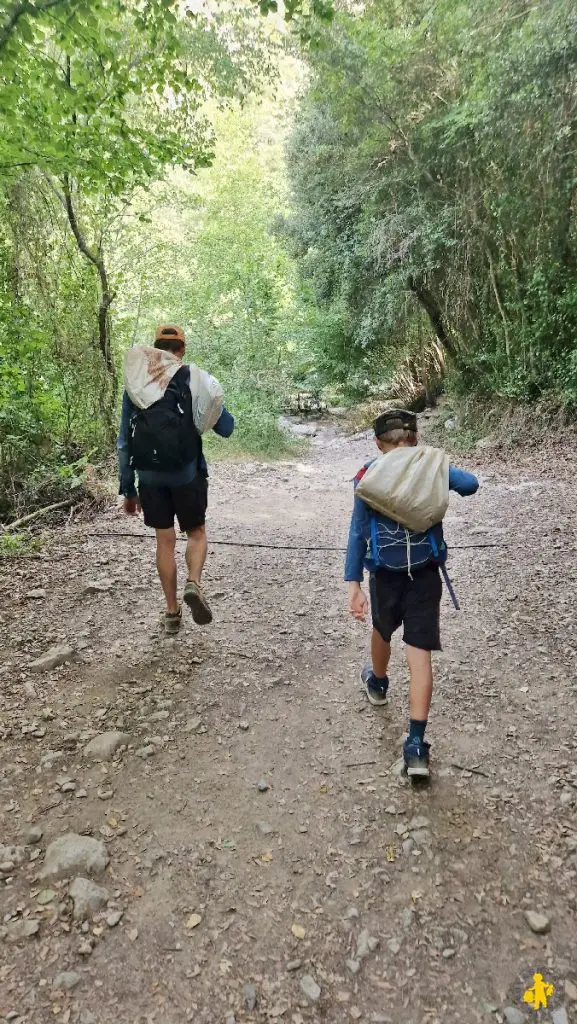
point(88, 898)
point(538, 923)
point(16, 931)
point(71, 855)
point(52, 659)
point(104, 746)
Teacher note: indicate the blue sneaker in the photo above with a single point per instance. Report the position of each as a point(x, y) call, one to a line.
point(416, 758)
point(376, 691)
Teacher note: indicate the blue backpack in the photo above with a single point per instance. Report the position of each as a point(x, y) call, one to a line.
point(398, 549)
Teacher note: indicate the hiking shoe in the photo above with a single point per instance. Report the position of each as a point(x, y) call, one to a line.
point(416, 758)
point(197, 603)
point(173, 622)
point(376, 691)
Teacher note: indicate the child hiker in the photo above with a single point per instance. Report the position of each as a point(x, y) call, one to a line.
point(405, 584)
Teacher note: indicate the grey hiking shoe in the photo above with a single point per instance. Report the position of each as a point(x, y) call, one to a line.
point(173, 622)
point(197, 603)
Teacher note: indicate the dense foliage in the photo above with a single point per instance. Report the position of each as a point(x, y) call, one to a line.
point(98, 98)
point(434, 175)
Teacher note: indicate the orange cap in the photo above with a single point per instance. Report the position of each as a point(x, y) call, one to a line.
point(168, 332)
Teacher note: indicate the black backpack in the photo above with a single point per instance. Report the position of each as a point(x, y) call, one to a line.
point(164, 437)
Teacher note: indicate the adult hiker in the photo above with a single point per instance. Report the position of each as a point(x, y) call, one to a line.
point(166, 407)
point(396, 534)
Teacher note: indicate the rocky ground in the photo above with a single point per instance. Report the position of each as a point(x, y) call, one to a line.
point(213, 828)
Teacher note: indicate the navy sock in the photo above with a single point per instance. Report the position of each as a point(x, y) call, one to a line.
point(417, 730)
point(380, 681)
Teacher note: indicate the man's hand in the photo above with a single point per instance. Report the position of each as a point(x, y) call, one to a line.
point(358, 604)
point(131, 506)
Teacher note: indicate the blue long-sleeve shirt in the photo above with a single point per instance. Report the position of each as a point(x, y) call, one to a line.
point(154, 477)
point(356, 559)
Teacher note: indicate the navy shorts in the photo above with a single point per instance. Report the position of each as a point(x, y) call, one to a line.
point(188, 503)
point(415, 603)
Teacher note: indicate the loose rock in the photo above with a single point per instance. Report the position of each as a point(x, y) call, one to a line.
point(71, 854)
point(88, 898)
point(538, 923)
point(513, 1015)
point(560, 1016)
point(16, 931)
point(310, 988)
point(52, 659)
point(249, 992)
point(263, 786)
point(104, 746)
point(66, 981)
point(33, 835)
point(114, 918)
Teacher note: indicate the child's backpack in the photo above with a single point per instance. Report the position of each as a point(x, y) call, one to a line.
point(163, 436)
point(396, 548)
point(409, 485)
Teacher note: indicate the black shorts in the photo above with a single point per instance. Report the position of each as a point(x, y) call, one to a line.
point(415, 603)
point(188, 503)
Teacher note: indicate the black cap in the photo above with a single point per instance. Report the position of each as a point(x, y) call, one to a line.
point(395, 419)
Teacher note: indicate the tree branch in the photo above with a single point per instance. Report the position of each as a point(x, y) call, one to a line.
point(25, 7)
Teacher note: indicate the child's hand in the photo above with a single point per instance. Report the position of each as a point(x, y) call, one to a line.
point(358, 604)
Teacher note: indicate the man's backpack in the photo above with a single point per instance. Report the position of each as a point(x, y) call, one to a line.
point(164, 437)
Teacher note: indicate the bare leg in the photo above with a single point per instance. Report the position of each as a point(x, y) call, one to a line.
point(380, 654)
point(166, 566)
point(196, 553)
point(421, 685)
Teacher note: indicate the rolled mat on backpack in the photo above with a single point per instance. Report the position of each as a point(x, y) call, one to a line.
point(409, 485)
point(148, 372)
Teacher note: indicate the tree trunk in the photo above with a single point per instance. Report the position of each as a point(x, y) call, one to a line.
point(433, 311)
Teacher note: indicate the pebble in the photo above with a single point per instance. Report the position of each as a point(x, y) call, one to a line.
point(394, 946)
point(293, 965)
point(52, 659)
point(46, 896)
point(88, 898)
point(193, 724)
point(265, 828)
point(104, 746)
point(353, 966)
point(105, 793)
point(538, 923)
point(87, 1018)
point(513, 1015)
point(11, 856)
point(449, 952)
point(33, 835)
point(366, 944)
point(560, 1016)
point(145, 752)
point(159, 716)
point(263, 786)
point(66, 980)
point(73, 854)
point(249, 993)
point(309, 988)
point(417, 823)
point(571, 991)
point(114, 918)
point(36, 595)
point(244, 726)
point(85, 948)
point(230, 1019)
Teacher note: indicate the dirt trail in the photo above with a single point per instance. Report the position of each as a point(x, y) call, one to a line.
point(406, 906)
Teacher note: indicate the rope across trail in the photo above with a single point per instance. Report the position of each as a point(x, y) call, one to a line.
point(268, 547)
